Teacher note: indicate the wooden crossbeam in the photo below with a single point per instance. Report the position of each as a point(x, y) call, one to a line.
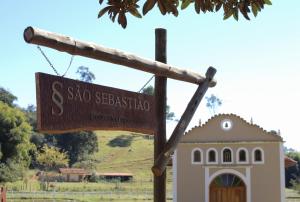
point(163, 158)
point(91, 50)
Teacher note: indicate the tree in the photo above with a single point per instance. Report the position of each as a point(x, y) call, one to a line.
point(212, 103)
point(78, 145)
point(85, 74)
point(14, 143)
point(30, 113)
point(149, 90)
point(119, 8)
point(7, 97)
point(51, 158)
point(292, 174)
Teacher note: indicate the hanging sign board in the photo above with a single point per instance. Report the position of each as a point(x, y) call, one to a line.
point(65, 105)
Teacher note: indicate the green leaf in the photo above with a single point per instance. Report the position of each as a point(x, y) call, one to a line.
point(172, 8)
point(254, 9)
point(185, 4)
point(268, 2)
point(218, 6)
point(197, 6)
point(135, 12)
point(161, 7)
point(122, 19)
point(228, 14)
point(148, 6)
point(245, 14)
point(114, 15)
point(236, 14)
point(103, 11)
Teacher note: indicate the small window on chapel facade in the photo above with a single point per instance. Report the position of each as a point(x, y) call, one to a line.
point(227, 156)
point(258, 156)
point(242, 156)
point(197, 156)
point(212, 156)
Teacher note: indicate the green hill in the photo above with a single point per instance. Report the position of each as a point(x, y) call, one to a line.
point(121, 151)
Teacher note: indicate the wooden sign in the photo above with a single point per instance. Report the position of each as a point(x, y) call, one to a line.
point(65, 105)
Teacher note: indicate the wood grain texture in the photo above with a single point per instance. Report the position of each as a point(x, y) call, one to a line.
point(91, 50)
point(160, 115)
point(66, 105)
point(163, 158)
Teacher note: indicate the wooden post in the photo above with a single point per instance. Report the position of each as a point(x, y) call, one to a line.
point(3, 194)
point(91, 50)
point(160, 102)
point(163, 158)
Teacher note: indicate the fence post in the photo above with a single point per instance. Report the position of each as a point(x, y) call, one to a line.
point(3, 194)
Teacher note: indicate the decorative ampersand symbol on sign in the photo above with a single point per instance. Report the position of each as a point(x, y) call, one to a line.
point(57, 98)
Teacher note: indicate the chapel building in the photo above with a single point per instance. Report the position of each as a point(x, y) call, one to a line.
point(228, 159)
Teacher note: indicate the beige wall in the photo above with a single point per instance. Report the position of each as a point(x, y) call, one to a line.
point(190, 178)
point(241, 131)
point(71, 178)
point(264, 178)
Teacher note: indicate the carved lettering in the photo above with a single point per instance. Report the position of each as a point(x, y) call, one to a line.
point(129, 102)
point(86, 96)
point(57, 98)
point(98, 97)
point(78, 95)
point(146, 106)
point(124, 102)
point(70, 93)
point(104, 98)
point(69, 105)
point(118, 102)
point(111, 99)
point(140, 105)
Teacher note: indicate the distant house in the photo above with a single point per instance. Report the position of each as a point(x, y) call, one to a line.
point(229, 160)
point(291, 171)
point(123, 177)
point(288, 162)
point(73, 174)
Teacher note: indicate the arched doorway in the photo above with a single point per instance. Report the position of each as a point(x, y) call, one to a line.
point(227, 188)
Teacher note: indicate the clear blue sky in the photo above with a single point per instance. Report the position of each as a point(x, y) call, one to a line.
point(257, 61)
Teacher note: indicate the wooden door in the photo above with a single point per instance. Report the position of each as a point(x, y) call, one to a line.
point(227, 189)
point(232, 194)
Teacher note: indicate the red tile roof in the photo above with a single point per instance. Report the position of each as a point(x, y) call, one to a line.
point(288, 162)
point(79, 171)
point(116, 174)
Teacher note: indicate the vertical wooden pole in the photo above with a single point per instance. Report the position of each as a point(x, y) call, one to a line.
point(160, 102)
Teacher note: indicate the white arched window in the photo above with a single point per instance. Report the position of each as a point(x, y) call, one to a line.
point(197, 156)
point(242, 156)
point(258, 156)
point(227, 155)
point(211, 156)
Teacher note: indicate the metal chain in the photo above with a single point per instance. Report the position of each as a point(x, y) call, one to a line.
point(68, 66)
point(146, 84)
point(51, 65)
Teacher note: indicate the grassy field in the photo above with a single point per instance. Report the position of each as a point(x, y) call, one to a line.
point(135, 156)
point(118, 152)
point(292, 196)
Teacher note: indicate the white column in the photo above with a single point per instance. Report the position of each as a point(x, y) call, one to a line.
point(248, 184)
point(282, 173)
point(206, 182)
point(174, 166)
